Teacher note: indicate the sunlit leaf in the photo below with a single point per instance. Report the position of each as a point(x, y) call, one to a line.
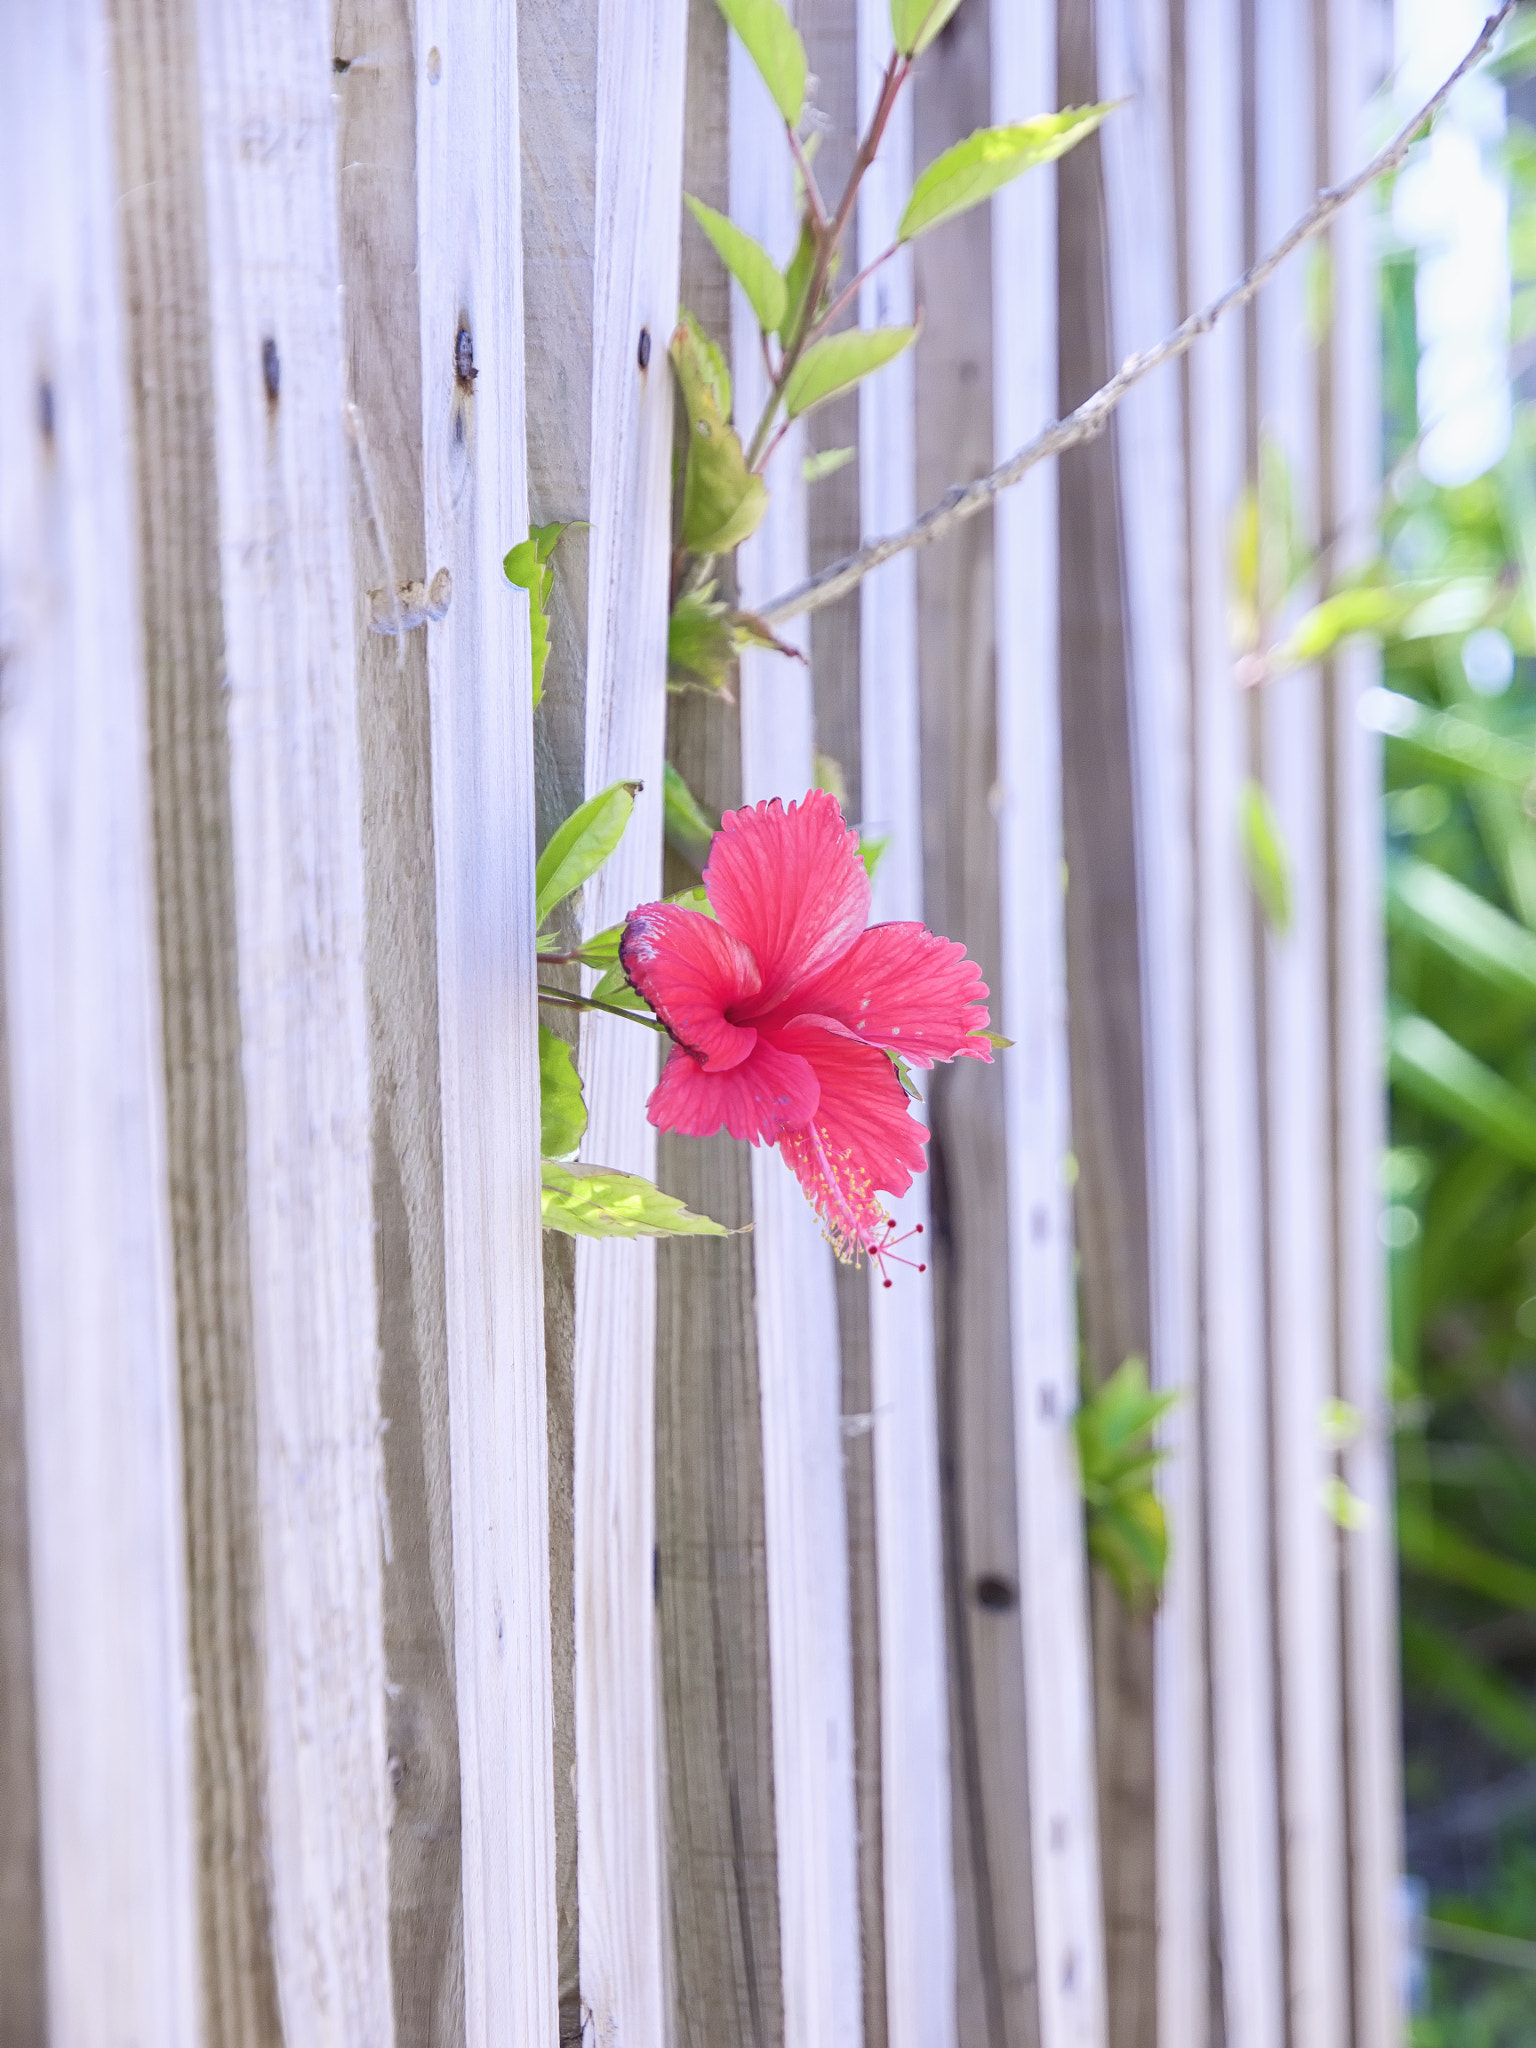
point(562, 1111)
point(688, 827)
point(527, 565)
point(597, 1201)
point(1464, 926)
point(797, 281)
point(840, 361)
point(578, 848)
point(1428, 1064)
point(1117, 1458)
point(915, 23)
point(747, 261)
point(1370, 608)
point(773, 43)
point(1269, 864)
point(723, 502)
point(986, 161)
point(1448, 739)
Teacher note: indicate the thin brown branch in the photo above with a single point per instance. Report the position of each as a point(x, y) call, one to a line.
point(964, 501)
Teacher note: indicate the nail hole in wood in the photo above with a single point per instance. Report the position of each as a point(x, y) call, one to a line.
point(996, 1593)
point(645, 348)
point(464, 360)
point(271, 369)
point(434, 65)
point(45, 410)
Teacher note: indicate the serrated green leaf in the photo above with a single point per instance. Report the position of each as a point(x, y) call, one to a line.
point(1428, 1064)
point(991, 158)
point(827, 463)
point(597, 1201)
point(773, 43)
point(688, 828)
point(1268, 863)
point(562, 1111)
point(839, 362)
point(915, 23)
point(578, 848)
point(723, 502)
point(747, 261)
point(526, 565)
point(701, 644)
point(798, 273)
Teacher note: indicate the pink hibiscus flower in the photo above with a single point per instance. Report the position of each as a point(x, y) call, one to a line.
point(783, 1006)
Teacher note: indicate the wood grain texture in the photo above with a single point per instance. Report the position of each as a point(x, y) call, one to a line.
point(1372, 1720)
point(957, 623)
point(1069, 1924)
point(85, 1080)
point(165, 255)
point(914, 1730)
point(557, 63)
point(1161, 1997)
point(1299, 1099)
point(375, 87)
point(22, 2023)
point(469, 241)
point(1232, 1303)
point(805, 1510)
point(640, 92)
point(712, 1555)
point(277, 364)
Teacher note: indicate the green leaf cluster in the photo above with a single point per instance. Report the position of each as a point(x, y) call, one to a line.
point(1117, 1458)
point(1268, 862)
point(723, 501)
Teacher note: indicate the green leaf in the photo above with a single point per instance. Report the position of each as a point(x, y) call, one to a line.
point(747, 261)
point(997, 1041)
point(1429, 1065)
point(871, 849)
point(903, 1075)
point(839, 361)
point(1366, 609)
point(562, 1112)
point(1117, 1458)
point(526, 565)
point(700, 642)
point(579, 847)
point(797, 280)
point(1432, 1546)
point(1500, 1709)
point(688, 829)
point(1448, 740)
point(1269, 865)
point(723, 502)
point(596, 1201)
point(774, 46)
point(827, 463)
point(1464, 926)
point(991, 158)
point(915, 23)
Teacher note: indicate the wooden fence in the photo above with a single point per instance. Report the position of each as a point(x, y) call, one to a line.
point(409, 1638)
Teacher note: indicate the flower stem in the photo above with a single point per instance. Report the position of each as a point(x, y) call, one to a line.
point(562, 999)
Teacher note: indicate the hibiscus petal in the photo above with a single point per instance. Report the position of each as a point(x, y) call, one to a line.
point(790, 884)
point(770, 1092)
point(902, 986)
point(861, 1139)
point(689, 968)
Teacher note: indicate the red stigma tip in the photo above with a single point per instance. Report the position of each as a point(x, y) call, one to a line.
point(885, 1283)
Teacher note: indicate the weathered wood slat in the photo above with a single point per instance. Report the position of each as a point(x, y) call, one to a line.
point(278, 366)
point(640, 92)
point(1135, 69)
point(914, 1698)
point(1053, 1593)
point(473, 432)
point(1241, 1644)
point(1298, 1100)
point(1373, 1725)
point(85, 1080)
point(805, 1515)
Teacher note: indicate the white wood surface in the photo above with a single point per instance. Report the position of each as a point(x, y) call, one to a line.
point(1135, 69)
point(1069, 1930)
point(1237, 1479)
point(278, 369)
point(476, 500)
point(621, 1872)
point(1359, 965)
point(799, 1368)
point(921, 2009)
point(1297, 997)
point(103, 1439)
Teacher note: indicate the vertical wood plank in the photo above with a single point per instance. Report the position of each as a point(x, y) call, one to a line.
point(640, 93)
point(805, 1511)
point(277, 363)
point(1298, 1101)
point(914, 1698)
point(85, 1078)
point(1135, 69)
point(470, 256)
point(1053, 1593)
point(1359, 965)
point(1241, 1644)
